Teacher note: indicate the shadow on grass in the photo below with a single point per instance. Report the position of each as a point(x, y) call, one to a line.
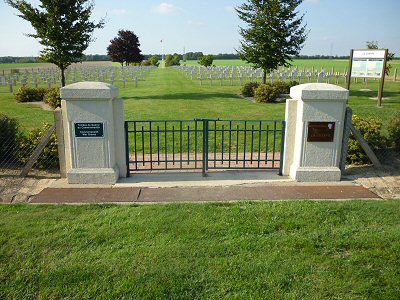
point(184, 96)
point(373, 93)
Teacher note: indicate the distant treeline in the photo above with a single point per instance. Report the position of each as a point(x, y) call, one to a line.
point(186, 56)
point(31, 59)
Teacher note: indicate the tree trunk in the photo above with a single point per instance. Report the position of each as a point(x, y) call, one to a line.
point(62, 76)
point(264, 80)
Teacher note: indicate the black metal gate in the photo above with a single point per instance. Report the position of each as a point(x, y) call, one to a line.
point(203, 144)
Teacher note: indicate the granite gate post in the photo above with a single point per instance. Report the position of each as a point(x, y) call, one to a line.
point(314, 132)
point(93, 118)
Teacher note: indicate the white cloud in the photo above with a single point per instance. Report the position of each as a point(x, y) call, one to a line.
point(165, 9)
point(119, 11)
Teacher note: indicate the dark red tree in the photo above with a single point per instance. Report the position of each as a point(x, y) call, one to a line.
point(125, 48)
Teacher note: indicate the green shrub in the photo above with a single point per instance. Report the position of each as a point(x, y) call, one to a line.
point(8, 138)
point(370, 129)
point(49, 157)
point(394, 131)
point(27, 94)
point(248, 89)
point(52, 97)
point(282, 87)
point(265, 93)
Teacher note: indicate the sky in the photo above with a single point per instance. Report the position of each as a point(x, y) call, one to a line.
point(336, 26)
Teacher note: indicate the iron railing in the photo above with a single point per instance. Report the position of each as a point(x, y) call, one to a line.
point(203, 144)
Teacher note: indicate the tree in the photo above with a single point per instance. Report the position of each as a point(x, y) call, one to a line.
point(125, 48)
point(390, 56)
point(172, 60)
point(154, 61)
point(62, 27)
point(151, 61)
point(274, 33)
point(206, 60)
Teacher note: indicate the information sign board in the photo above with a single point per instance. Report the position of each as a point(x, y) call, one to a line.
point(368, 63)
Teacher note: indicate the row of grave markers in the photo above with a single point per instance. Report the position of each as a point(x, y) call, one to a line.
point(51, 77)
point(233, 74)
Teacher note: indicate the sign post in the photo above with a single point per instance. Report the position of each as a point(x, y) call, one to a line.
point(369, 63)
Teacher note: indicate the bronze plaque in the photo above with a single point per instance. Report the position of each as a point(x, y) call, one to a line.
point(321, 131)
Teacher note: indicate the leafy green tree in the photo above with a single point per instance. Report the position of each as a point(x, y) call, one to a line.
point(154, 61)
point(390, 56)
point(172, 60)
point(125, 48)
point(206, 60)
point(63, 27)
point(274, 33)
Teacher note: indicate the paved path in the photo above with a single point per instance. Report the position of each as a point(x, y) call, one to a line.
point(200, 194)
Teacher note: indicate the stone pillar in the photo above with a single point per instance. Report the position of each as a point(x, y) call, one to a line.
point(93, 120)
point(314, 132)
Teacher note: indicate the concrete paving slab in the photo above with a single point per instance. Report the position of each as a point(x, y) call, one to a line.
point(86, 195)
point(200, 194)
point(233, 193)
point(192, 179)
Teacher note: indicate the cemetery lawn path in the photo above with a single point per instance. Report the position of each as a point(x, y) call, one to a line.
point(244, 250)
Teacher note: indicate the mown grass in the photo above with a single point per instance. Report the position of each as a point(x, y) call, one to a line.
point(285, 250)
point(168, 94)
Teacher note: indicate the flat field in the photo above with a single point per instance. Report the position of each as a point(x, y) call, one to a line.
point(169, 94)
point(274, 250)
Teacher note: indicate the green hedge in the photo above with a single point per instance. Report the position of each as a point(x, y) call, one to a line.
point(248, 88)
point(9, 137)
point(27, 94)
point(394, 131)
point(52, 97)
point(371, 130)
point(16, 146)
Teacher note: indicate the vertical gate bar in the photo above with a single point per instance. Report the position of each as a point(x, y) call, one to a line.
point(188, 158)
point(204, 168)
point(173, 145)
point(195, 144)
point(134, 129)
point(215, 143)
point(222, 144)
point(244, 143)
point(266, 145)
point(207, 133)
point(252, 144)
point(158, 145)
point(180, 144)
point(230, 141)
point(143, 143)
point(151, 145)
point(128, 171)
point(237, 143)
point(273, 153)
point(259, 144)
point(166, 147)
point(282, 148)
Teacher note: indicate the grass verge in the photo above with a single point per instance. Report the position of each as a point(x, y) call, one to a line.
point(295, 249)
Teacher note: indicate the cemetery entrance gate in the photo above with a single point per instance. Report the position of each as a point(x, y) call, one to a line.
point(204, 144)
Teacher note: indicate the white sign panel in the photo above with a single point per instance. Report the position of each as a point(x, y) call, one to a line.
point(368, 63)
point(369, 54)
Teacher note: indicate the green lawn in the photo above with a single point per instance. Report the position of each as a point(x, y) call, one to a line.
point(274, 250)
point(169, 94)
